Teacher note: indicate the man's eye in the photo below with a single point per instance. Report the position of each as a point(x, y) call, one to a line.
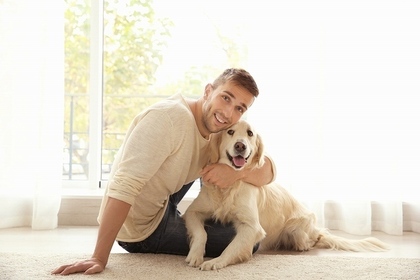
point(250, 133)
point(230, 132)
point(241, 110)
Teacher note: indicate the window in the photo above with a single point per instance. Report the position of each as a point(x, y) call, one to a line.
point(338, 83)
point(121, 57)
point(78, 62)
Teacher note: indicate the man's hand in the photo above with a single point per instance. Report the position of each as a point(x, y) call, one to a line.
point(91, 266)
point(220, 175)
point(224, 176)
point(112, 219)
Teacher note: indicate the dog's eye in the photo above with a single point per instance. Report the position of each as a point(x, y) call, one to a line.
point(230, 131)
point(250, 133)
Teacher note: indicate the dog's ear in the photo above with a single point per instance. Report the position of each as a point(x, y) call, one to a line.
point(259, 157)
point(214, 147)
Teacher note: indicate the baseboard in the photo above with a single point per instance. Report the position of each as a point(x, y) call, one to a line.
point(83, 211)
point(79, 211)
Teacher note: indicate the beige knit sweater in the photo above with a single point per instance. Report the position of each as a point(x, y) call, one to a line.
point(162, 151)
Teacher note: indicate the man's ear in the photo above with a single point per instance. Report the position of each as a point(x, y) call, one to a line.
point(208, 90)
point(259, 157)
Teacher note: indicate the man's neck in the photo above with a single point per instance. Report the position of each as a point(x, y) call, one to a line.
point(196, 109)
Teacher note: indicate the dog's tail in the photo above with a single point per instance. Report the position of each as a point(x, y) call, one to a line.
point(328, 241)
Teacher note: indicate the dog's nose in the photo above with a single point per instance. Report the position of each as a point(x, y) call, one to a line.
point(240, 147)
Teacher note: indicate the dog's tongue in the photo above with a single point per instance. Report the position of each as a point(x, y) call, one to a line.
point(239, 161)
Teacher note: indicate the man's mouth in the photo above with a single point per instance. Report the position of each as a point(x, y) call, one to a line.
point(220, 119)
point(237, 161)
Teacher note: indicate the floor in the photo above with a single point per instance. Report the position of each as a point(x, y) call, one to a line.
point(82, 240)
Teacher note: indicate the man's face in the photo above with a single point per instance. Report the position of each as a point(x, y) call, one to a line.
point(225, 105)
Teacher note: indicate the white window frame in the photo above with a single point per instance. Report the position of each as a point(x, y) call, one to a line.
point(91, 185)
point(94, 186)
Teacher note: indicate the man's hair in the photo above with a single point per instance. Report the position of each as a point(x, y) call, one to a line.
point(240, 77)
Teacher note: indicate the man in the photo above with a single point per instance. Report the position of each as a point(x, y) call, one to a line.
point(163, 153)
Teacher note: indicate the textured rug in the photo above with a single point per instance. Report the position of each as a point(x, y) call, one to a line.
point(261, 266)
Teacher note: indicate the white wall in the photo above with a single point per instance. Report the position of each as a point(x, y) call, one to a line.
point(340, 95)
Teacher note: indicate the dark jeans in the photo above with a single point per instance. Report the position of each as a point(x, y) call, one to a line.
point(170, 237)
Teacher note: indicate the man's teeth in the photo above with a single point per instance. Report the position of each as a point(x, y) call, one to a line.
point(219, 119)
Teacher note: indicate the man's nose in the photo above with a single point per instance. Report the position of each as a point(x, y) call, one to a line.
point(228, 111)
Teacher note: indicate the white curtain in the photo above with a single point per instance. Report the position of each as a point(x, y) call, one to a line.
point(31, 114)
point(340, 108)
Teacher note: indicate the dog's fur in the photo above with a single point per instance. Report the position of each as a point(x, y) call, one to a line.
point(268, 214)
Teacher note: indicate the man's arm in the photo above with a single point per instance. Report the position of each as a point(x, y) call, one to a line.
point(260, 176)
point(113, 217)
point(224, 176)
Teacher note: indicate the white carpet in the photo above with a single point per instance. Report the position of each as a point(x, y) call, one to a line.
point(262, 266)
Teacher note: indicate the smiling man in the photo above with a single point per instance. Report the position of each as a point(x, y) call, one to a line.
point(163, 153)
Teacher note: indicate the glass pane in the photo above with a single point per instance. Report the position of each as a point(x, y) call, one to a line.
point(134, 40)
point(76, 137)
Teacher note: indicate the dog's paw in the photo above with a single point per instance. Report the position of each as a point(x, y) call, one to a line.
point(194, 260)
point(214, 264)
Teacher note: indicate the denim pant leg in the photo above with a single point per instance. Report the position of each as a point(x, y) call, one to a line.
point(174, 238)
point(172, 221)
point(171, 236)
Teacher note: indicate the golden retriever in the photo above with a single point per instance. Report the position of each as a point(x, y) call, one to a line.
point(268, 214)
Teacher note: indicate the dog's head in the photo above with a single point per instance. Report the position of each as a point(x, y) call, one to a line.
point(239, 146)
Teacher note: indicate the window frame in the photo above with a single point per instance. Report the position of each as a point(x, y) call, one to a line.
point(93, 183)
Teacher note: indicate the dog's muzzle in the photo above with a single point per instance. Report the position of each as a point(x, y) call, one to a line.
point(239, 160)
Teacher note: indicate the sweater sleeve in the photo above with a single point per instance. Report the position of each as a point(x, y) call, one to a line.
point(273, 167)
point(147, 145)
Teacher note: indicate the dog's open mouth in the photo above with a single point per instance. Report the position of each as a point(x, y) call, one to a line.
point(237, 161)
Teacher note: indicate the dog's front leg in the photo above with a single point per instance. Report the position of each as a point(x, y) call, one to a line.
point(240, 249)
point(194, 222)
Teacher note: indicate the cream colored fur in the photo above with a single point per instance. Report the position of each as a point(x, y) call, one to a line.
point(268, 214)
